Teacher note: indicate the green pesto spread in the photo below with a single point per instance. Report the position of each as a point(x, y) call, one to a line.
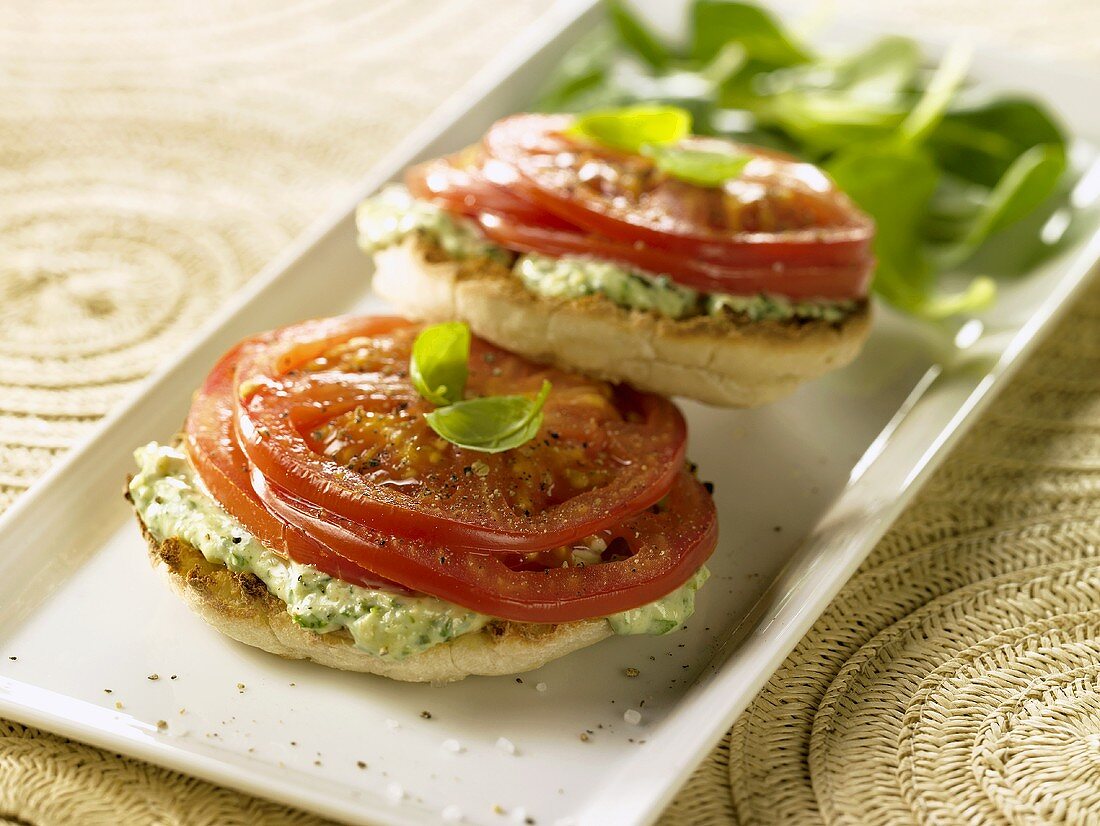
point(172, 502)
point(392, 215)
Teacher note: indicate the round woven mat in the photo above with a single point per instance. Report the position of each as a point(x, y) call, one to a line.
point(956, 677)
point(152, 158)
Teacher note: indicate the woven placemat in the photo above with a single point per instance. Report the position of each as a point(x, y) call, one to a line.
point(153, 158)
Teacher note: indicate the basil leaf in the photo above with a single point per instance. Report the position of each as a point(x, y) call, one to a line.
point(696, 166)
point(632, 127)
point(438, 363)
point(492, 424)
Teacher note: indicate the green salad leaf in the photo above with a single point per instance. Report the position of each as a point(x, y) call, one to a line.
point(714, 23)
point(696, 166)
point(637, 37)
point(491, 424)
point(438, 363)
point(630, 128)
point(956, 167)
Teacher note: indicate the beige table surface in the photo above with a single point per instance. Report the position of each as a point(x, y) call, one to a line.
point(154, 156)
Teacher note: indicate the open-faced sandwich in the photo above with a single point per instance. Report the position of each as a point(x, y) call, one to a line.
point(618, 244)
point(380, 496)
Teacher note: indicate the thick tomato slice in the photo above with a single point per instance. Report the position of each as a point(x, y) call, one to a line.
point(212, 446)
point(460, 184)
point(326, 411)
point(648, 555)
point(778, 207)
point(795, 281)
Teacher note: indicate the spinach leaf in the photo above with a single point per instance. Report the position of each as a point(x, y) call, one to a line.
point(637, 37)
point(980, 142)
point(894, 184)
point(1031, 179)
point(718, 22)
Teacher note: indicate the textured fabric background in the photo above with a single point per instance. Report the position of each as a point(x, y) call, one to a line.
point(153, 157)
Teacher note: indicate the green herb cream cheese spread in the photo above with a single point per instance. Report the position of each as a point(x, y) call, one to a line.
point(393, 215)
point(172, 502)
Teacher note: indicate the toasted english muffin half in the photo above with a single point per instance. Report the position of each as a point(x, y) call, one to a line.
point(723, 361)
point(240, 606)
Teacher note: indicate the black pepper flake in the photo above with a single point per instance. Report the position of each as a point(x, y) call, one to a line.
point(777, 528)
point(519, 680)
point(427, 715)
point(153, 677)
point(709, 486)
point(236, 540)
point(107, 691)
point(172, 677)
point(13, 659)
point(360, 764)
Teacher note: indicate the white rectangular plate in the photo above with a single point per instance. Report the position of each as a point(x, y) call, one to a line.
point(804, 488)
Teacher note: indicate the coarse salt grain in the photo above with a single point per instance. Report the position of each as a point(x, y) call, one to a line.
point(452, 814)
point(392, 724)
point(632, 716)
point(519, 815)
point(506, 745)
point(395, 792)
point(453, 746)
point(540, 687)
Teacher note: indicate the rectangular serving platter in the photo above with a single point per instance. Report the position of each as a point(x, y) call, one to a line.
point(804, 487)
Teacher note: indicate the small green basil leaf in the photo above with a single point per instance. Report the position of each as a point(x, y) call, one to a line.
point(631, 127)
point(714, 23)
point(696, 166)
point(438, 364)
point(636, 36)
point(491, 424)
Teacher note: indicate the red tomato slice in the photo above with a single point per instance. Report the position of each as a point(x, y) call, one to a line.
point(326, 411)
point(777, 207)
point(650, 552)
point(798, 281)
point(212, 446)
point(660, 551)
point(460, 184)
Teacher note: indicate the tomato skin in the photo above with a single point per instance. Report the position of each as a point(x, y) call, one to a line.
point(799, 282)
point(467, 190)
point(669, 548)
point(523, 189)
point(212, 447)
point(668, 544)
point(270, 418)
